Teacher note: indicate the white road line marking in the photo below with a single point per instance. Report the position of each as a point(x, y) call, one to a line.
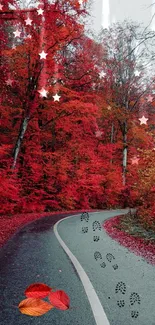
point(98, 311)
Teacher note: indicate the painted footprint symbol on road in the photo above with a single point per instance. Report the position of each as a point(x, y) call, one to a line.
point(110, 257)
point(134, 298)
point(96, 226)
point(85, 217)
point(84, 229)
point(98, 255)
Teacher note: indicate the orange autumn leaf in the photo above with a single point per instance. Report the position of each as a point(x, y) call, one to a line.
point(34, 307)
point(59, 299)
point(37, 290)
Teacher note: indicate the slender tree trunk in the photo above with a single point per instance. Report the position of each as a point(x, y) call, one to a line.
point(22, 131)
point(112, 133)
point(112, 137)
point(125, 152)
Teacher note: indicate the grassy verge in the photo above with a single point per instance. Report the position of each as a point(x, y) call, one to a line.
point(129, 233)
point(129, 224)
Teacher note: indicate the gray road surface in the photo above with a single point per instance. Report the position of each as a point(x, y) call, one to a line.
point(124, 282)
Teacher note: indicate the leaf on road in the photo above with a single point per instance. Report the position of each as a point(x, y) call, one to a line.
point(37, 290)
point(59, 299)
point(34, 307)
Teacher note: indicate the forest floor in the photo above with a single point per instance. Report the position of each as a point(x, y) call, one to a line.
point(125, 230)
point(120, 228)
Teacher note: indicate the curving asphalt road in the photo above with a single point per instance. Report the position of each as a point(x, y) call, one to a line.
point(122, 283)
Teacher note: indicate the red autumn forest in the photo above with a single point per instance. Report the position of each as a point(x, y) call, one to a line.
point(71, 135)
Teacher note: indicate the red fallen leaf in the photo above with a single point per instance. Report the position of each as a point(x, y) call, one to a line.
point(59, 299)
point(37, 290)
point(34, 307)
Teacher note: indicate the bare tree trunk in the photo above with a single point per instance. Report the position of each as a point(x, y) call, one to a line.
point(112, 137)
point(22, 131)
point(112, 133)
point(125, 152)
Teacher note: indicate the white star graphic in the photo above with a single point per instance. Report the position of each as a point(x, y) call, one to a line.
point(137, 73)
point(28, 21)
point(80, 2)
point(56, 97)
point(9, 82)
point(40, 11)
point(98, 134)
point(43, 92)
point(1, 7)
point(102, 74)
point(17, 33)
point(143, 120)
point(135, 160)
point(29, 36)
point(42, 55)
point(13, 47)
point(149, 98)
